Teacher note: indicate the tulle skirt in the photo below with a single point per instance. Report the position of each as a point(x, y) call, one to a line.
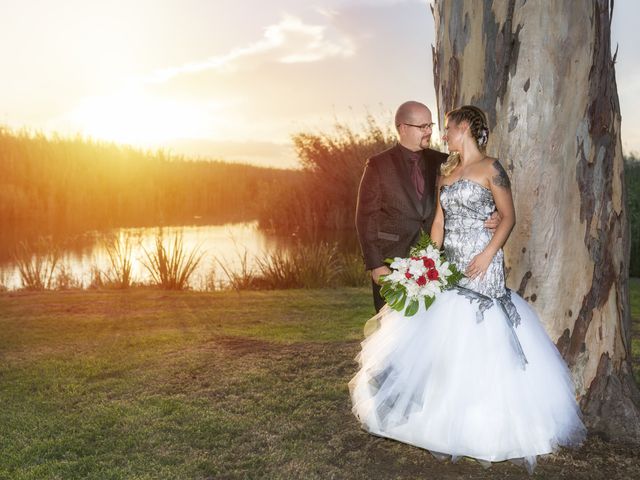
point(454, 384)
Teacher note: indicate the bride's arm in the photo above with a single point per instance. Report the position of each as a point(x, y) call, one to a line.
point(501, 190)
point(437, 227)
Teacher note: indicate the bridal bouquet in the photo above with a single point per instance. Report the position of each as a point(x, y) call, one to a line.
point(420, 277)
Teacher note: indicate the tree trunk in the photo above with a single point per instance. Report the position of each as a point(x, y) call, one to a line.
point(543, 72)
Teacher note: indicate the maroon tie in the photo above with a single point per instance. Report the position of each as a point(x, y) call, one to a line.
point(416, 173)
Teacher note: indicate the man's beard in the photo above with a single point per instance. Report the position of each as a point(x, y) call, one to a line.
point(425, 142)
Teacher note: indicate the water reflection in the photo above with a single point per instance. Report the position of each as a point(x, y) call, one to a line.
point(234, 246)
point(230, 244)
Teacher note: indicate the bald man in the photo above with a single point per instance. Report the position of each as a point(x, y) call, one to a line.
point(397, 194)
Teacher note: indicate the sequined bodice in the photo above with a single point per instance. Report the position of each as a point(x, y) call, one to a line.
point(466, 205)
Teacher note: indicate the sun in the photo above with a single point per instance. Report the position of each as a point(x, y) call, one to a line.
point(135, 117)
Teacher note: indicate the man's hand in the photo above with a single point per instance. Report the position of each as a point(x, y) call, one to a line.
point(377, 272)
point(492, 222)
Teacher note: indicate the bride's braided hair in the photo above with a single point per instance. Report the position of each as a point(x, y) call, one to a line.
point(478, 127)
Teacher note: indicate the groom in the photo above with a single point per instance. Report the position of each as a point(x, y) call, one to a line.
point(397, 194)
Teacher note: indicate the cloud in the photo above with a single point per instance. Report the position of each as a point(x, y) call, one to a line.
point(289, 41)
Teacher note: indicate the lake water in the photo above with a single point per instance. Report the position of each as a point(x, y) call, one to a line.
point(229, 245)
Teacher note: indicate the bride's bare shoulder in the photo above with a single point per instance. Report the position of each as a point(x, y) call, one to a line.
point(487, 162)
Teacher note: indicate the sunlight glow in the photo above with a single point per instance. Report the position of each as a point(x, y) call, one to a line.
point(133, 116)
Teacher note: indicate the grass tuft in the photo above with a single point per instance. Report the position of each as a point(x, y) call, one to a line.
point(119, 250)
point(37, 263)
point(171, 266)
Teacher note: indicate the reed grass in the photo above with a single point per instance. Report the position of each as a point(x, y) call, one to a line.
point(279, 270)
point(64, 279)
point(353, 273)
point(332, 162)
point(4, 281)
point(97, 278)
point(37, 263)
point(208, 280)
point(81, 183)
point(171, 267)
point(318, 263)
point(301, 266)
point(120, 252)
point(243, 278)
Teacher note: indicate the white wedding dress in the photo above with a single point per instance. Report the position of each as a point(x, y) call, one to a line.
point(475, 375)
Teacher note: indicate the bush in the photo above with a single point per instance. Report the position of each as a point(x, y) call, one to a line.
point(632, 180)
point(324, 197)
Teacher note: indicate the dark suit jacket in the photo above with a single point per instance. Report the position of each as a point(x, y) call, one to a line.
point(389, 215)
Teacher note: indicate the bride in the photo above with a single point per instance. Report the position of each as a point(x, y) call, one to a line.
point(475, 375)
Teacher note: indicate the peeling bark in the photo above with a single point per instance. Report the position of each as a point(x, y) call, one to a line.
point(544, 74)
point(610, 407)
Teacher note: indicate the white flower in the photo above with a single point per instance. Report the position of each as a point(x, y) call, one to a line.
point(399, 263)
point(432, 253)
point(414, 268)
point(444, 271)
point(395, 276)
point(417, 268)
point(413, 290)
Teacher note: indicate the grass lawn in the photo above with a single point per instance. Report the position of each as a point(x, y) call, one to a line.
point(153, 384)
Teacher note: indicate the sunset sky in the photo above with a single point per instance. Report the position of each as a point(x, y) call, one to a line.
point(231, 79)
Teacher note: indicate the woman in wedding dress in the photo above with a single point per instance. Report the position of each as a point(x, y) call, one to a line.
point(475, 375)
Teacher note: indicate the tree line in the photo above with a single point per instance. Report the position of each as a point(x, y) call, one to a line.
point(80, 182)
point(83, 183)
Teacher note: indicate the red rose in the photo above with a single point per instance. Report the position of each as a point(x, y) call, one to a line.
point(421, 280)
point(433, 274)
point(428, 263)
point(408, 275)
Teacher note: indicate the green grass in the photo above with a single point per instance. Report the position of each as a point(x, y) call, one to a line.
point(159, 384)
point(147, 384)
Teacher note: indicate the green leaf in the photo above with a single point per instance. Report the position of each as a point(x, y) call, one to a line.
point(424, 240)
point(428, 301)
point(412, 308)
point(392, 295)
point(397, 297)
point(456, 275)
point(391, 291)
point(398, 304)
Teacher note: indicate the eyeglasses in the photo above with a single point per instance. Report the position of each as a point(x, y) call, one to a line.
point(424, 126)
